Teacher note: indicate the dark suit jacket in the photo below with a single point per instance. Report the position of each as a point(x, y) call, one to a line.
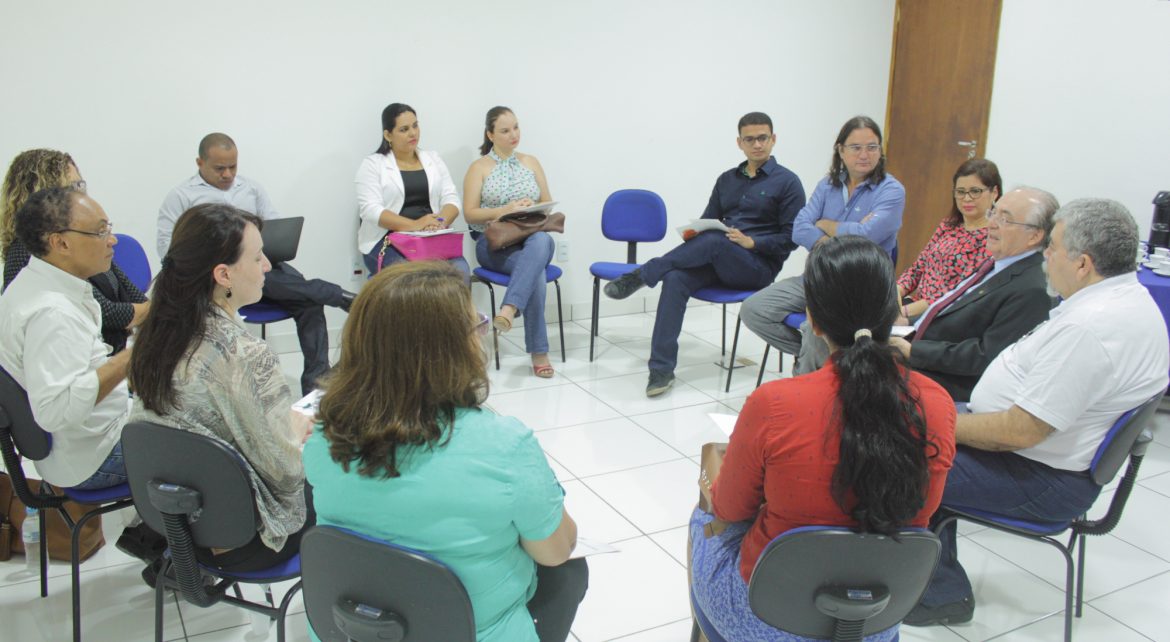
point(963, 339)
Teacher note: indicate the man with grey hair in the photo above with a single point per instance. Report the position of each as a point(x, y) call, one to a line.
point(1046, 403)
point(960, 333)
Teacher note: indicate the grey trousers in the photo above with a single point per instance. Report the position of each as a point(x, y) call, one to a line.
point(764, 313)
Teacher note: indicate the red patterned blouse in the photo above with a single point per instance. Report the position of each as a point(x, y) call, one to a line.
point(951, 255)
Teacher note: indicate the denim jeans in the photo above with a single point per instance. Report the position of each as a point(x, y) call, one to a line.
point(709, 259)
point(1009, 485)
point(394, 256)
point(111, 473)
point(526, 291)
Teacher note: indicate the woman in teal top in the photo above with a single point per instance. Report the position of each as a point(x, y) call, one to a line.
point(406, 454)
point(501, 182)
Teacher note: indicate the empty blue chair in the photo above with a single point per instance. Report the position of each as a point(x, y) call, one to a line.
point(552, 274)
point(130, 256)
point(263, 313)
point(630, 215)
point(724, 296)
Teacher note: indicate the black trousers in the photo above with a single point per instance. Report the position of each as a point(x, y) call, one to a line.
point(304, 299)
point(559, 591)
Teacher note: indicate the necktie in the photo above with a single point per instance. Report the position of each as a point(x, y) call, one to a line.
point(952, 297)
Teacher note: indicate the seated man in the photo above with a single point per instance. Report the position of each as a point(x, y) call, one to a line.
point(757, 200)
point(217, 182)
point(51, 339)
point(1051, 397)
point(961, 332)
point(856, 197)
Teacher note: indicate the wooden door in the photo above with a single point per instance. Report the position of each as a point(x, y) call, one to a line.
point(941, 74)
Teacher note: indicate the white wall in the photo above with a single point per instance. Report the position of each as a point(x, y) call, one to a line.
point(609, 94)
point(1081, 104)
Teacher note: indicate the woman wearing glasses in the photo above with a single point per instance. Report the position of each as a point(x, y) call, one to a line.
point(499, 183)
point(123, 305)
point(406, 452)
point(959, 243)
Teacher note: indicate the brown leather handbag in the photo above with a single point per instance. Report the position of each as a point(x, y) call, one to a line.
point(510, 229)
point(56, 536)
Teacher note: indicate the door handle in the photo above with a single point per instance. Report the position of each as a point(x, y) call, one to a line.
point(971, 146)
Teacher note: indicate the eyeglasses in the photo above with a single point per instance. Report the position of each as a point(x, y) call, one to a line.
point(975, 192)
point(102, 234)
point(872, 148)
point(481, 328)
point(750, 141)
point(993, 213)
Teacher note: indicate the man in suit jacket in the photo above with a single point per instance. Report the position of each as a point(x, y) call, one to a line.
point(962, 332)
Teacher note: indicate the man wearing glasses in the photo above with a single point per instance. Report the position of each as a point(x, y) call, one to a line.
point(757, 201)
point(964, 330)
point(51, 340)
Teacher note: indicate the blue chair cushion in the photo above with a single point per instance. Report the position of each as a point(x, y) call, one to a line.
point(795, 319)
point(721, 295)
point(264, 313)
point(551, 273)
point(610, 271)
point(1013, 523)
point(99, 495)
point(288, 569)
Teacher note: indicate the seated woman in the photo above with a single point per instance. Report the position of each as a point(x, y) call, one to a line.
point(499, 183)
point(959, 243)
point(806, 451)
point(401, 188)
point(195, 367)
point(407, 453)
point(123, 305)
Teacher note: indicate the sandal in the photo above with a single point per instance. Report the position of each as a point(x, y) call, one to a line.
point(544, 371)
point(501, 323)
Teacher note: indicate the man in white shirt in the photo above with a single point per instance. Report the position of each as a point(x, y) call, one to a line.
point(51, 339)
point(1045, 404)
point(217, 182)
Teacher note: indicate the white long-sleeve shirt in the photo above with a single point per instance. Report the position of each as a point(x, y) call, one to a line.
point(244, 194)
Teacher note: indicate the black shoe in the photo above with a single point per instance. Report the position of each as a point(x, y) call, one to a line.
point(953, 613)
point(150, 573)
point(660, 382)
point(625, 285)
point(346, 300)
point(142, 542)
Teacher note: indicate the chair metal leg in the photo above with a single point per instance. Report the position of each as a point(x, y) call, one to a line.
point(764, 364)
point(495, 333)
point(731, 363)
point(1069, 581)
point(264, 331)
point(560, 319)
point(44, 556)
point(723, 337)
point(1080, 540)
point(593, 317)
point(696, 634)
point(159, 594)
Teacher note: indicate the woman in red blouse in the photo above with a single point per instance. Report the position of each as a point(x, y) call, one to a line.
point(861, 442)
point(958, 244)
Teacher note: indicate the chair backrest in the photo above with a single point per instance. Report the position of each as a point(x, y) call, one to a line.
point(807, 572)
point(634, 215)
point(28, 436)
point(1121, 439)
point(130, 256)
point(360, 588)
point(154, 453)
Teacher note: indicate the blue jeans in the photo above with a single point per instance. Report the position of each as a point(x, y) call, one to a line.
point(709, 259)
point(111, 473)
point(527, 288)
point(1009, 485)
point(394, 256)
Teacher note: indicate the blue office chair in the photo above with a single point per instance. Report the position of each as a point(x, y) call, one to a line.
point(21, 436)
point(131, 258)
point(832, 583)
point(724, 296)
point(1127, 439)
point(552, 274)
point(630, 215)
point(364, 589)
point(197, 491)
point(262, 313)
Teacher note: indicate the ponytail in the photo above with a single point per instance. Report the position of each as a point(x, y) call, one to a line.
point(488, 125)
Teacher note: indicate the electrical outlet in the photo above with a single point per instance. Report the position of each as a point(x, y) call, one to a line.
point(562, 251)
point(357, 269)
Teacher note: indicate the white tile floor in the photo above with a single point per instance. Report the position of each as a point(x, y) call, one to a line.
point(628, 467)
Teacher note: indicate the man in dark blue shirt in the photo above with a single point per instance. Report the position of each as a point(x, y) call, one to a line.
point(757, 201)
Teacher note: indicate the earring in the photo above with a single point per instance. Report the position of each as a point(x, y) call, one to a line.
point(229, 294)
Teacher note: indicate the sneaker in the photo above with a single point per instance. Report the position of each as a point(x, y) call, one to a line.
point(625, 285)
point(659, 383)
point(953, 613)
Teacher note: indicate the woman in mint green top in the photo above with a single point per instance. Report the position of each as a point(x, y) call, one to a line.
point(406, 454)
point(501, 182)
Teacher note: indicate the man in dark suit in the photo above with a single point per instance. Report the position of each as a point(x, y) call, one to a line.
point(962, 332)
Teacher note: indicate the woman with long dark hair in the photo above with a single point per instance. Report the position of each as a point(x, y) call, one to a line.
point(401, 188)
point(195, 367)
point(407, 453)
point(501, 182)
point(959, 243)
point(862, 442)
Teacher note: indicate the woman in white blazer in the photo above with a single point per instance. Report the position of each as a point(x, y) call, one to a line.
point(401, 188)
